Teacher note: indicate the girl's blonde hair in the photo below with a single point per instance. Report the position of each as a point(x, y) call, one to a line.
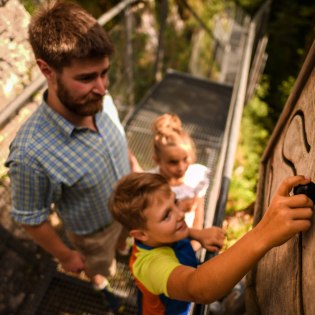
point(168, 131)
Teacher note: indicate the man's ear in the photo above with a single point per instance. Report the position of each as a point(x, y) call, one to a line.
point(46, 70)
point(139, 235)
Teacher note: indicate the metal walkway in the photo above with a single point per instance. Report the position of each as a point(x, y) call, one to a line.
point(62, 294)
point(203, 107)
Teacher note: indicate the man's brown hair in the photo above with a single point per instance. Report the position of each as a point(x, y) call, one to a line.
point(62, 31)
point(133, 194)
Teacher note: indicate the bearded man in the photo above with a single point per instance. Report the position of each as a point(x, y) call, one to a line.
point(71, 151)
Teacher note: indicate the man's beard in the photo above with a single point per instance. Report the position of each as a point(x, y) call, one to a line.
point(84, 107)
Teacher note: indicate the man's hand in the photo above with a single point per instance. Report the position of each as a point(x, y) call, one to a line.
point(72, 262)
point(45, 236)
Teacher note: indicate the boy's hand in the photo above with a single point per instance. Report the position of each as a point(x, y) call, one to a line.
point(211, 238)
point(286, 215)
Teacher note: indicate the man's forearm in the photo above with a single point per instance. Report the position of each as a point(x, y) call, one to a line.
point(46, 237)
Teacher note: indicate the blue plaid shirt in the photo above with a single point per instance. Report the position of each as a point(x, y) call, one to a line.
point(53, 162)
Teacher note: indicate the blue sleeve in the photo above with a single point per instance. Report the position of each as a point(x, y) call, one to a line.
point(32, 194)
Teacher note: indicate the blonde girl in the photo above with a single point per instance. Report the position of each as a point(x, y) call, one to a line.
point(175, 156)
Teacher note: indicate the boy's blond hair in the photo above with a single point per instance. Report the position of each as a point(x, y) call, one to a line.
point(133, 194)
point(168, 131)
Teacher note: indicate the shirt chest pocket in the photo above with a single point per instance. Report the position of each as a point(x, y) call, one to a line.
point(85, 173)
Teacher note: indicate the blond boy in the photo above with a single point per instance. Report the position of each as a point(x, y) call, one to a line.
point(163, 263)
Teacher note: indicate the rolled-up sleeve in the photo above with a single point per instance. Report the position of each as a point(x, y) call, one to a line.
point(32, 194)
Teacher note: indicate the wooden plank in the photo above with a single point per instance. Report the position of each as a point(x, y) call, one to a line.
point(283, 282)
point(308, 248)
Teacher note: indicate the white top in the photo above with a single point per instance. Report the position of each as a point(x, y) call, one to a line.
point(110, 109)
point(196, 182)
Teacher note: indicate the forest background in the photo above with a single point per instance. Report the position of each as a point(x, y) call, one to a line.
point(291, 30)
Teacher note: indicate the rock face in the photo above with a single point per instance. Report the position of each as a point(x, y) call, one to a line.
point(17, 65)
point(20, 259)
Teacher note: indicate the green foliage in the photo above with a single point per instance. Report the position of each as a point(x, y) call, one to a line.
point(178, 51)
point(142, 63)
point(254, 135)
point(250, 6)
point(30, 5)
point(97, 7)
point(179, 30)
point(291, 30)
point(235, 230)
point(285, 89)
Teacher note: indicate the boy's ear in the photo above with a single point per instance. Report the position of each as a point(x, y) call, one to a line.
point(139, 235)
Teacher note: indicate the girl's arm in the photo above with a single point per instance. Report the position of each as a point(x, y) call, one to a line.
point(198, 207)
point(134, 164)
point(210, 238)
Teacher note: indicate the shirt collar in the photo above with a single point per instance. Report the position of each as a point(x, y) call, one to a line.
point(148, 247)
point(65, 126)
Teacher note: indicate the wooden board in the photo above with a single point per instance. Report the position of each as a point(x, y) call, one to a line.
point(283, 282)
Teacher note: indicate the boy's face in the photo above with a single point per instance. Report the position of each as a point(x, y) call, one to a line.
point(165, 222)
point(174, 161)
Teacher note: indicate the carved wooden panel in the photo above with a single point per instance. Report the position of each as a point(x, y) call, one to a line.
point(283, 282)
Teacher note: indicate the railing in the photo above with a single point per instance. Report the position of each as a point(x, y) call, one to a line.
point(217, 199)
